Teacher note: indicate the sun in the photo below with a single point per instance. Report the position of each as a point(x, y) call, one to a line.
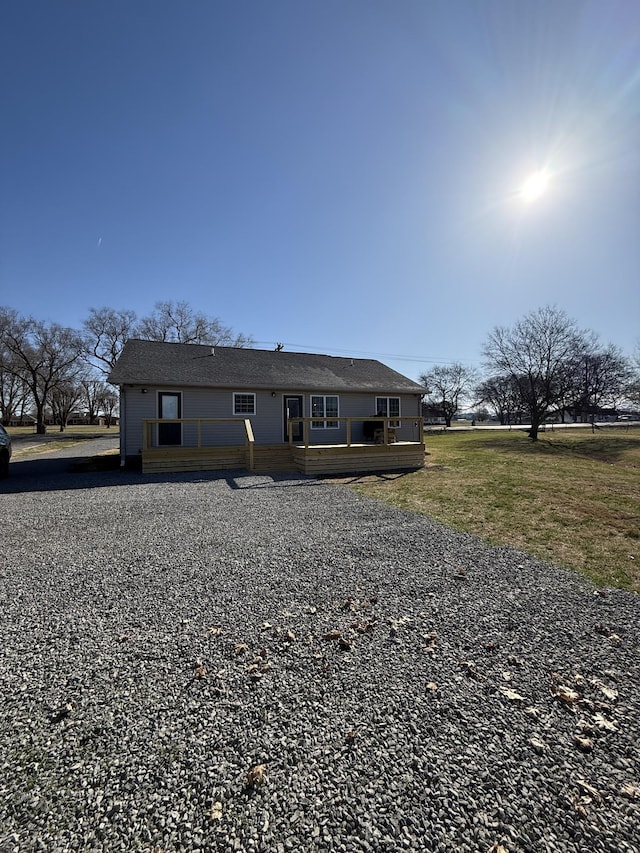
point(535, 186)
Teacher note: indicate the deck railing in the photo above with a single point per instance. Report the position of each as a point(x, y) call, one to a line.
point(148, 431)
point(387, 424)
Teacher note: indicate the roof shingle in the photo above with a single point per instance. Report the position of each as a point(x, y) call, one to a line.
point(170, 364)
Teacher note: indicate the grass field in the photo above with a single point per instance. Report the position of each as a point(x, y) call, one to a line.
point(572, 497)
point(75, 431)
point(27, 443)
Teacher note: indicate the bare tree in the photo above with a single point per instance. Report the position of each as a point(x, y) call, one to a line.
point(107, 331)
point(109, 405)
point(602, 376)
point(63, 399)
point(538, 354)
point(501, 393)
point(93, 391)
point(14, 394)
point(43, 356)
point(177, 322)
point(447, 386)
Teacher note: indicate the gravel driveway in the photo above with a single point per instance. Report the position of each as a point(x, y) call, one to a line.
point(225, 662)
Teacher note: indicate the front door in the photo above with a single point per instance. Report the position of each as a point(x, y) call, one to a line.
point(292, 409)
point(169, 407)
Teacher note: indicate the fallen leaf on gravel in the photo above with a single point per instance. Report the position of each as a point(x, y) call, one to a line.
point(344, 644)
point(585, 744)
point(332, 635)
point(241, 648)
point(566, 694)
point(532, 712)
point(579, 805)
point(291, 636)
point(432, 686)
point(589, 789)
point(61, 713)
point(266, 626)
point(609, 692)
point(630, 790)
point(497, 848)
point(215, 812)
point(537, 744)
point(471, 669)
point(511, 695)
point(200, 670)
point(506, 675)
point(431, 637)
point(256, 776)
point(363, 627)
point(602, 723)
point(214, 631)
point(257, 670)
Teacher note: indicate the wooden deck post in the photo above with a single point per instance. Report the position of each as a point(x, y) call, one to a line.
point(250, 441)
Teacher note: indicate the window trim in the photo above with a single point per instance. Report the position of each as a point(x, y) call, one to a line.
point(237, 394)
point(324, 422)
point(393, 424)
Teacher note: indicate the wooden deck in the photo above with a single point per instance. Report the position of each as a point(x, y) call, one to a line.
point(303, 458)
point(316, 460)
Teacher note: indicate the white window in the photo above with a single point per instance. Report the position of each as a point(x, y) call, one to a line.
point(389, 407)
point(324, 407)
point(244, 404)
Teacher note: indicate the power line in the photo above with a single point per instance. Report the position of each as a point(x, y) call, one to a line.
point(360, 353)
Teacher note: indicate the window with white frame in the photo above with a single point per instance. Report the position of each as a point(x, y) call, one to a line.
point(324, 407)
point(389, 407)
point(244, 404)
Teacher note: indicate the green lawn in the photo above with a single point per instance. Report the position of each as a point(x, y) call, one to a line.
point(572, 498)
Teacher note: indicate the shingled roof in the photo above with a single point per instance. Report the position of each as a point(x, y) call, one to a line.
point(169, 364)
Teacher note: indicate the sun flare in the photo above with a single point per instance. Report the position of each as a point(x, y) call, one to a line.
point(535, 186)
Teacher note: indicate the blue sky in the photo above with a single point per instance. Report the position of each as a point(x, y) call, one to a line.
point(342, 177)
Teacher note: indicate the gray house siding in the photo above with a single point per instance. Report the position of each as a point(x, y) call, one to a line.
point(268, 422)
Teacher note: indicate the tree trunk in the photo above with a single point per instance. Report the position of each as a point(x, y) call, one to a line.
point(41, 427)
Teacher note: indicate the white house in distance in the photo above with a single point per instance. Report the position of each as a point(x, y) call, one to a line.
point(193, 407)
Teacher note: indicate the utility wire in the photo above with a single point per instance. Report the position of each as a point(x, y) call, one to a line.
point(328, 350)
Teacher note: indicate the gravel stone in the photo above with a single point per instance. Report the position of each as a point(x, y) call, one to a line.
point(165, 637)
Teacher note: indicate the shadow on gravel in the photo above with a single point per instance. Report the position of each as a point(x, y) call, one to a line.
point(52, 475)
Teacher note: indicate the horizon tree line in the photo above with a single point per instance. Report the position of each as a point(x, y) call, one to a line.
point(543, 365)
point(48, 370)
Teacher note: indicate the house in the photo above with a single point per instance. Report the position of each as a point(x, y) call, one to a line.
point(193, 407)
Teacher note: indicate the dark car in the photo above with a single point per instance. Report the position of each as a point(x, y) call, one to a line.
point(5, 452)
